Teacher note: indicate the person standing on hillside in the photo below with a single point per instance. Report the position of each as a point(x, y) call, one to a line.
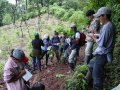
point(55, 45)
point(93, 28)
point(74, 47)
point(105, 45)
point(13, 73)
point(37, 52)
point(47, 43)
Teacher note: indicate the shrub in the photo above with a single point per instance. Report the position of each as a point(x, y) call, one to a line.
point(76, 81)
point(60, 12)
point(43, 10)
point(78, 18)
point(7, 19)
point(68, 14)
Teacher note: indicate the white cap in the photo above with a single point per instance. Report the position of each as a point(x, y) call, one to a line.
point(46, 36)
point(101, 11)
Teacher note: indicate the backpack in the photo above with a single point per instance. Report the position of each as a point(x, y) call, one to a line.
point(38, 86)
point(82, 39)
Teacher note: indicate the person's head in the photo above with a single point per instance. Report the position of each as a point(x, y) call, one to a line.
point(89, 14)
point(17, 54)
point(73, 27)
point(56, 33)
point(104, 15)
point(46, 36)
point(65, 34)
point(36, 35)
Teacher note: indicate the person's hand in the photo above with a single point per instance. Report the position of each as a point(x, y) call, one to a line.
point(22, 72)
point(91, 35)
point(58, 43)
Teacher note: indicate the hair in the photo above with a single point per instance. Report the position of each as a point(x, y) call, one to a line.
point(36, 36)
point(108, 16)
point(56, 33)
point(11, 53)
point(75, 28)
point(90, 12)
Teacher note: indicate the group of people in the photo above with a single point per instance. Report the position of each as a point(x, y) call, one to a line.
point(101, 31)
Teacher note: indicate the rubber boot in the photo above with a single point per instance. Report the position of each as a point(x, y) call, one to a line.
point(87, 59)
point(88, 76)
point(72, 66)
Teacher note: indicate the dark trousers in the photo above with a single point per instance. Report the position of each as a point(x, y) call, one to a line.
point(96, 67)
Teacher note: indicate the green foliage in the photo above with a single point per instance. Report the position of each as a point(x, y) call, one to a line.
point(62, 29)
point(1, 69)
point(76, 81)
point(79, 19)
point(44, 10)
point(54, 8)
point(60, 75)
point(68, 14)
point(7, 19)
point(60, 12)
point(68, 4)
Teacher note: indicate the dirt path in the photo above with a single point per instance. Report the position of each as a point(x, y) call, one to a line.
point(48, 76)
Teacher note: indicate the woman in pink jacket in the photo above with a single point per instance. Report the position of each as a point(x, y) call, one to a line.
point(13, 73)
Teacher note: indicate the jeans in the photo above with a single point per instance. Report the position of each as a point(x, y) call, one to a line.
point(96, 67)
point(36, 61)
point(56, 50)
point(89, 48)
point(72, 56)
point(45, 53)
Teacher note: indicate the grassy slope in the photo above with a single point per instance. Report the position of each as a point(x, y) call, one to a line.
point(11, 36)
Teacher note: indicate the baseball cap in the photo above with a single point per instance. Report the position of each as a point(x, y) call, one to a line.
point(101, 11)
point(18, 54)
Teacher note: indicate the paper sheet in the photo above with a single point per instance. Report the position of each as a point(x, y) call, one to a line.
point(27, 76)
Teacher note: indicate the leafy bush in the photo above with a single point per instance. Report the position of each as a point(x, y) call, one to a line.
point(68, 4)
point(62, 29)
point(68, 14)
point(76, 81)
point(78, 18)
point(43, 10)
point(6, 19)
point(60, 12)
point(54, 8)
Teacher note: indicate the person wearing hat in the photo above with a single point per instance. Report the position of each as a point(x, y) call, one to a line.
point(47, 43)
point(104, 50)
point(12, 72)
point(74, 47)
point(93, 28)
point(36, 51)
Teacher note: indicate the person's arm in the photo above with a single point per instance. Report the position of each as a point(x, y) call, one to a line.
point(17, 76)
point(77, 38)
point(92, 37)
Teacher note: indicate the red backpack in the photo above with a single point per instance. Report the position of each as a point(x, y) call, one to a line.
point(82, 39)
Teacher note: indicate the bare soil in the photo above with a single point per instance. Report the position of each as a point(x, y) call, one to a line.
point(48, 75)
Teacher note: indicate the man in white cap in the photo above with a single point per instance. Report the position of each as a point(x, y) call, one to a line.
point(104, 50)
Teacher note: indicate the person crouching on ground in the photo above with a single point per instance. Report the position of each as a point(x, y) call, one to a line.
point(12, 72)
